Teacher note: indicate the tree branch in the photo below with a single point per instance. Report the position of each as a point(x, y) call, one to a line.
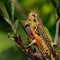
point(24, 48)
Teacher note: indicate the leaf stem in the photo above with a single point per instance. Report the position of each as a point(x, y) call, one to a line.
point(12, 6)
point(57, 32)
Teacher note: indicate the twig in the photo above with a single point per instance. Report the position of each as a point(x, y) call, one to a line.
point(12, 7)
point(24, 48)
point(27, 52)
point(57, 21)
point(57, 32)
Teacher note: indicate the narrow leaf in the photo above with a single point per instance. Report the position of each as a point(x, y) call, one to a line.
point(4, 12)
point(5, 15)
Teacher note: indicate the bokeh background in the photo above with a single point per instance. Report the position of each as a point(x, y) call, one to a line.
point(46, 12)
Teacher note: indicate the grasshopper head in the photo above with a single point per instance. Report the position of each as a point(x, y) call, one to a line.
point(33, 17)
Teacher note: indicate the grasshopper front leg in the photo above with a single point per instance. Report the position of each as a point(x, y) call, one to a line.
point(32, 43)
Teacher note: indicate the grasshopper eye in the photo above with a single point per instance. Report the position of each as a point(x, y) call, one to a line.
point(33, 15)
point(34, 20)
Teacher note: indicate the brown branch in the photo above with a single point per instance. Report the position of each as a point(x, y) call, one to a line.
point(27, 52)
point(24, 48)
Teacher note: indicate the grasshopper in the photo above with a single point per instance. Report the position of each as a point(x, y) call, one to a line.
point(38, 35)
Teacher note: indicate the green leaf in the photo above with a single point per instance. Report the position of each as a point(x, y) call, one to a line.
point(12, 6)
point(5, 15)
point(22, 33)
point(16, 24)
point(4, 12)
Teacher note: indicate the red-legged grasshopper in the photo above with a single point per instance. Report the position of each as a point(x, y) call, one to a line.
point(39, 35)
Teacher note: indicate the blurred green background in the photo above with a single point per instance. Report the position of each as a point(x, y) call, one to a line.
point(46, 12)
